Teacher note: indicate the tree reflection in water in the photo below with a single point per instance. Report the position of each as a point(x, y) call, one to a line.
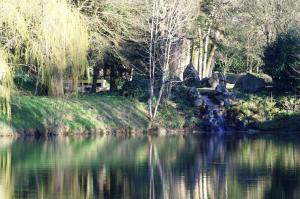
point(150, 167)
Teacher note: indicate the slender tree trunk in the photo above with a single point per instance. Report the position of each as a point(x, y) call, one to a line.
point(210, 59)
point(205, 54)
point(165, 66)
point(247, 62)
point(247, 53)
point(192, 51)
point(166, 18)
point(257, 67)
point(250, 65)
point(113, 76)
point(163, 82)
point(159, 98)
point(268, 34)
point(200, 56)
point(152, 54)
point(95, 78)
point(36, 90)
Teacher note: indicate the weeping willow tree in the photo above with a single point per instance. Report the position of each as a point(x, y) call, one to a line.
point(49, 35)
point(6, 84)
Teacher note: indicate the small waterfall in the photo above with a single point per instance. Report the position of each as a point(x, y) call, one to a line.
point(211, 112)
point(216, 119)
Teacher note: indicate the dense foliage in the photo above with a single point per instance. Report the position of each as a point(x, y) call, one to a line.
point(282, 58)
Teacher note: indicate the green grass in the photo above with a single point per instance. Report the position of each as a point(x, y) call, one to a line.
point(81, 114)
point(269, 113)
point(171, 116)
point(111, 112)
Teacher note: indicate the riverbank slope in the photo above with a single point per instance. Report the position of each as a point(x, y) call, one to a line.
point(108, 113)
point(84, 114)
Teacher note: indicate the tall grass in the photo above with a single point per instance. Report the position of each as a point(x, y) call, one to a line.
point(49, 34)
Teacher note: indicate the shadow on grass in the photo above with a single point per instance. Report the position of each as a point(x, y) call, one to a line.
point(287, 123)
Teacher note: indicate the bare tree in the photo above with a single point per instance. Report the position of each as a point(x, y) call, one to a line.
point(167, 23)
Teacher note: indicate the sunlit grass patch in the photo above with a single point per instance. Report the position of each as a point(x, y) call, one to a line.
point(87, 112)
point(267, 112)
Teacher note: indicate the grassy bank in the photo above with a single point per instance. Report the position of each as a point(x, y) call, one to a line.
point(102, 113)
point(98, 113)
point(87, 113)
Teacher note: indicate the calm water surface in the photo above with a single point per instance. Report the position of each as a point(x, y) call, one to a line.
point(157, 167)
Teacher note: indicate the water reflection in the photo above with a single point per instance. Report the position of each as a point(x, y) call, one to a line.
point(150, 167)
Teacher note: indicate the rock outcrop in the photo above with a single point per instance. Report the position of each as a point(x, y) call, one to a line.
point(210, 82)
point(211, 112)
point(250, 83)
point(191, 77)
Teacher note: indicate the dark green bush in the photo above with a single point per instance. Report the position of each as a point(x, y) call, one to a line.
point(137, 88)
point(282, 59)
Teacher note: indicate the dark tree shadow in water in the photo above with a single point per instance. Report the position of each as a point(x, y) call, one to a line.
point(285, 184)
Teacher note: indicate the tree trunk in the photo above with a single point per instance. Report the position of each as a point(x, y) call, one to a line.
point(192, 51)
point(250, 65)
point(209, 61)
point(200, 56)
point(56, 87)
point(247, 53)
point(95, 78)
point(113, 77)
point(206, 44)
point(205, 56)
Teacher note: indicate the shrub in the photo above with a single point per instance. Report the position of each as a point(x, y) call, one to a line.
point(282, 59)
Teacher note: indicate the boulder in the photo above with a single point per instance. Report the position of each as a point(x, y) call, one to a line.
point(195, 98)
point(221, 76)
point(232, 78)
point(191, 77)
point(221, 88)
point(199, 102)
point(250, 83)
point(211, 82)
point(193, 94)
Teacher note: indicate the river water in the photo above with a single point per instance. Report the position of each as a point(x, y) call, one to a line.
point(172, 167)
